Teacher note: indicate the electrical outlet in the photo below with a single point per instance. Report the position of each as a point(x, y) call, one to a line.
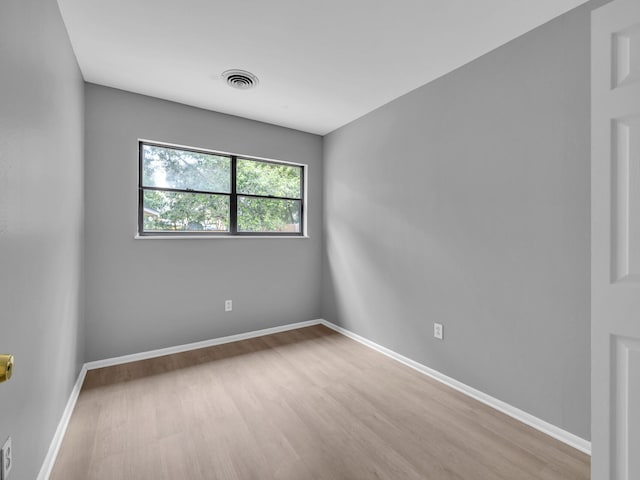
point(438, 331)
point(228, 305)
point(6, 459)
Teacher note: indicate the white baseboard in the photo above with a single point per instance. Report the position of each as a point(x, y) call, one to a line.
point(108, 362)
point(524, 417)
point(56, 442)
point(520, 415)
point(50, 459)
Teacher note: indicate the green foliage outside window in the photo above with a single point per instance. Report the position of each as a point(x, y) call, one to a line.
point(184, 190)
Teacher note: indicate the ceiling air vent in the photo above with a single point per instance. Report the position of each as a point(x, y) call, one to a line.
point(240, 79)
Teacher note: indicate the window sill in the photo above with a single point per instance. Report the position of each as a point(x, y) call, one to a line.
point(214, 237)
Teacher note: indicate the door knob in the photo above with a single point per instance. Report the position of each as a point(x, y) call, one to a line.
point(6, 367)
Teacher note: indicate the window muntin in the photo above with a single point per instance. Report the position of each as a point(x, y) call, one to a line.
point(185, 191)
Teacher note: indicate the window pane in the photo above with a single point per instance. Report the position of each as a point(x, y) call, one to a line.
point(269, 179)
point(172, 168)
point(176, 211)
point(268, 215)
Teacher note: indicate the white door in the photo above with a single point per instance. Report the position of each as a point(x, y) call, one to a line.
point(615, 241)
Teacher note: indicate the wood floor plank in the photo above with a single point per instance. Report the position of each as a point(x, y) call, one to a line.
point(304, 404)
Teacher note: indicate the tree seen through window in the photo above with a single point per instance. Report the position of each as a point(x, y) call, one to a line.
point(184, 190)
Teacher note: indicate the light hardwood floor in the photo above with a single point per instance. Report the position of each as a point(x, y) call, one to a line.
point(304, 404)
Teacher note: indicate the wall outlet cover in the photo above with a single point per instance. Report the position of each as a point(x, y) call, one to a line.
point(228, 305)
point(6, 459)
point(438, 331)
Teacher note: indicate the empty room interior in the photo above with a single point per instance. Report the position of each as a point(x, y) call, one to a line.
point(319, 240)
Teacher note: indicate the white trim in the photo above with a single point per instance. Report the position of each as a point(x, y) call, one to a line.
point(520, 415)
point(211, 237)
point(108, 362)
point(56, 442)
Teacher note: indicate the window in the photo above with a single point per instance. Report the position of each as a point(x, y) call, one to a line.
point(185, 191)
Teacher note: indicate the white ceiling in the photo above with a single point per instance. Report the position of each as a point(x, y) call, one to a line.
point(321, 64)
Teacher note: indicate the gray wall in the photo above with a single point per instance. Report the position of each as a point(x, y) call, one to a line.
point(41, 171)
point(466, 202)
point(485, 226)
point(148, 294)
